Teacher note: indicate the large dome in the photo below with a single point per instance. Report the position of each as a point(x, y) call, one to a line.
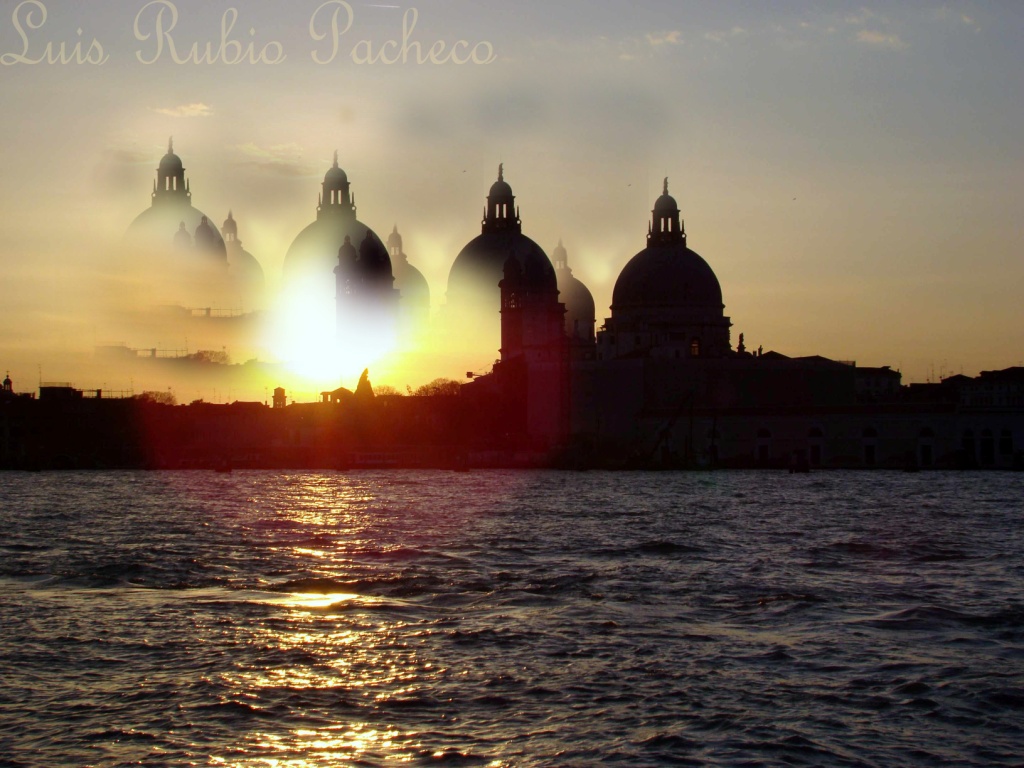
point(153, 231)
point(667, 301)
point(667, 275)
point(314, 252)
point(480, 266)
point(315, 248)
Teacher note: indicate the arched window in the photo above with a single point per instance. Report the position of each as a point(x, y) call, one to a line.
point(695, 348)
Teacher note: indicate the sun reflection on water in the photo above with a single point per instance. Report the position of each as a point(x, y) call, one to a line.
point(306, 748)
point(333, 663)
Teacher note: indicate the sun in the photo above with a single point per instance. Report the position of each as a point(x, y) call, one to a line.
point(305, 336)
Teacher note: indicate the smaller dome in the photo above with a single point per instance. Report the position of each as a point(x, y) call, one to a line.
point(579, 303)
point(335, 176)
point(170, 163)
point(209, 240)
point(500, 190)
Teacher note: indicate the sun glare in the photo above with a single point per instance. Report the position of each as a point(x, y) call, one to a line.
point(306, 338)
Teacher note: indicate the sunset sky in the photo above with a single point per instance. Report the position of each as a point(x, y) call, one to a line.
point(854, 173)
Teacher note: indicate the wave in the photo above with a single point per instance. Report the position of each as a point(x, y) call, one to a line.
point(932, 617)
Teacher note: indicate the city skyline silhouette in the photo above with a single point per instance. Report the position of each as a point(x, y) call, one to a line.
point(827, 234)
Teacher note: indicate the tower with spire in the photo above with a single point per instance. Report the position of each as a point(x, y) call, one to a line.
point(335, 196)
point(170, 184)
point(501, 213)
point(666, 227)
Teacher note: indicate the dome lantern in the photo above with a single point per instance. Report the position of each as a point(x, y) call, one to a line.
point(171, 184)
point(666, 226)
point(501, 213)
point(336, 198)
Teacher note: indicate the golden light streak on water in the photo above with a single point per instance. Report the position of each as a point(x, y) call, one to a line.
point(327, 746)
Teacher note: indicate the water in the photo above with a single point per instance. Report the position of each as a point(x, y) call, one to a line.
point(511, 619)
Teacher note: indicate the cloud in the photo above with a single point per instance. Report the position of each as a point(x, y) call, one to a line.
point(276, 160)
point(196, 109)
point(675, 37)
point(725, 36)
point(863, 16)
point(880, 40)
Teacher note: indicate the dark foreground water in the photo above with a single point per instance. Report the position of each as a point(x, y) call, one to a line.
point(511, 618)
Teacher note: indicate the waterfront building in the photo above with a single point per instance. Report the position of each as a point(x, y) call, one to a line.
point(187, 261)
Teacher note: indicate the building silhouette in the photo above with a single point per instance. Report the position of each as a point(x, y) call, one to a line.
point(414, 308)
point(314, 251)
point(659, 385)
point(473, 290)
point(579, 306)
point(243, 267)
point(338, 265)
point(190, 262)
point(667, 301)
point(171, 217)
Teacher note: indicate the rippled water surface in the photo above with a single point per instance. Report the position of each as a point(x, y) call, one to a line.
point(511, 618)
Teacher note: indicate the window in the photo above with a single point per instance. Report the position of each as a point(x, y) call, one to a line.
point(695, 348)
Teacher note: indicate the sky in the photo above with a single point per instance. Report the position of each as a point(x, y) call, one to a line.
point(852, 172)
